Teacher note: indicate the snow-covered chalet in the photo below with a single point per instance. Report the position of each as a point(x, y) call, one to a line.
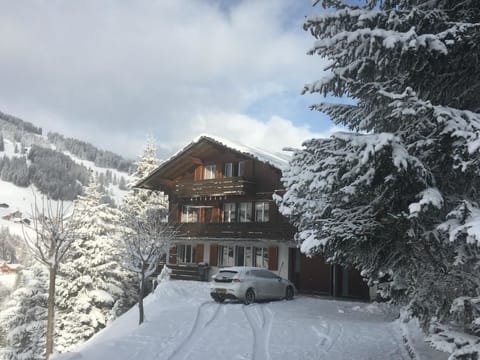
point(220, 194)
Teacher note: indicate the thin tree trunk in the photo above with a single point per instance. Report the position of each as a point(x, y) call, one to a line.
point(51, 311)
point(140, 298)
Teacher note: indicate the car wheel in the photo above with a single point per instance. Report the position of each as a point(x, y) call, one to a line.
point(219, 299)
point(289, 293)
point(249, 297)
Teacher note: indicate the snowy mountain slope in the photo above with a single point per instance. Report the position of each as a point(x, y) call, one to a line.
point(20, 199)
point(184, 323)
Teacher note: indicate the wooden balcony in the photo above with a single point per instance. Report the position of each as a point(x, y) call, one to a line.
point(251, 230)
point(215, 187)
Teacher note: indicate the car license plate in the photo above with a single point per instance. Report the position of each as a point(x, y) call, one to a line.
point(220, 291)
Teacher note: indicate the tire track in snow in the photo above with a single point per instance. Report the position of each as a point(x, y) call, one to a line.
point(261, 324)
point(201, 322)
point(327, 335)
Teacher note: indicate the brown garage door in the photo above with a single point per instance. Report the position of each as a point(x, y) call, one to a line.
point(314, 275)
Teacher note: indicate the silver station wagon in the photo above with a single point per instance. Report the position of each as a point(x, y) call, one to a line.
point(249, 284)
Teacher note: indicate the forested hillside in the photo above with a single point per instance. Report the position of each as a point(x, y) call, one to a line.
point(89, 152)
point(58, 167)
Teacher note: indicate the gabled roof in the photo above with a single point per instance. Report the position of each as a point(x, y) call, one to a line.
point(276, 160)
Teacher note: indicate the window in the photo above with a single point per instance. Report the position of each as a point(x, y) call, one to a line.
point(247, 259)
point(190, 214)
point(229, 255)
point(186, 254)
point(245, 212)
point(261, 257)
point(241, 168)
point(262, 211)
point(209, 172)
point(239, 256)
point(228, 170)
point(226, 255)
point(229, 212)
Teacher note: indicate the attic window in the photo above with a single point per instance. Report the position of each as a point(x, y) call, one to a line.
point(209, 172)
point(241, 168)
point(228, 170)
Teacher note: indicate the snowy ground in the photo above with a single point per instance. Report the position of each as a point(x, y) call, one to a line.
point(184, 323)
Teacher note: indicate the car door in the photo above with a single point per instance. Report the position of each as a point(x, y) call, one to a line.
point(271, 284)
point(260, 284)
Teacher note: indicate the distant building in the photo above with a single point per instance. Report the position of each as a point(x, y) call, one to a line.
point(10, 268)
point(220, 194)
point(14, 215)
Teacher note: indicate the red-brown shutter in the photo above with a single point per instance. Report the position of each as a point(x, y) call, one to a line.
point(248, 168)
point(172, 255)
point(199, 253)
point(199, 172)
point(216, 215)
point(213, 255)
point(273, 258)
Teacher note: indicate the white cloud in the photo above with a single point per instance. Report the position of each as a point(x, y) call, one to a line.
point(274, 134)
point(112, 71)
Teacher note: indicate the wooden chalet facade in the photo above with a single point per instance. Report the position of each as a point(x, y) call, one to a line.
point(220, 195)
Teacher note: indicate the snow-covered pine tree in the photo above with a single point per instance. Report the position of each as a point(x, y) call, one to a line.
point(398, 194)
point(24, 317)
point(147, 234)
point(137, 200)
point(93, 288)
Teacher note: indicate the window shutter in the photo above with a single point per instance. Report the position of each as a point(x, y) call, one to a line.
point(199, 253)
point(249, 168)
point(172, 255)
point(213, 254)
point(217, 215)
point(198, 173)
point(273, 258)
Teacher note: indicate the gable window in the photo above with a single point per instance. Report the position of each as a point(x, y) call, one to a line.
point(209, 172)
point(229, 212)
point(228, 170)
point(241, 168)
point(186, 254)
point(262, 211)
point(190, 214)
point(245, 212)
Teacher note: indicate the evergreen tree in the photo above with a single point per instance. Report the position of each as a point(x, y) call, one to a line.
point(138, 200)
point(93, 288)
point(2, 143)
point(25, 317)
point(398, 195)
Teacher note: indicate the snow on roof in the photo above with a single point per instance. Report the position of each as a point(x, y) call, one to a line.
point(278, 160)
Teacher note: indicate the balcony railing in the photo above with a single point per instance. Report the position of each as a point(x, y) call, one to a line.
point(215, 187)
point(250, 230)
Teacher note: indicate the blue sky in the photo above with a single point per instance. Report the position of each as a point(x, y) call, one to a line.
point(111, 72)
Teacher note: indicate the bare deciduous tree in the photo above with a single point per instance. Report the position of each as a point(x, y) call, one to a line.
point(48, 239)
point(147, 238)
